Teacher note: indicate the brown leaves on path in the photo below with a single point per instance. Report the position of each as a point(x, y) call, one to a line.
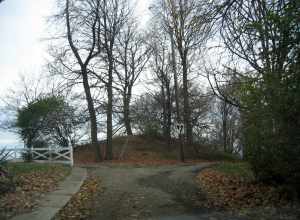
point(81, 204)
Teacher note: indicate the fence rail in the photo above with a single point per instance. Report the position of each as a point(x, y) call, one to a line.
point(52, 154)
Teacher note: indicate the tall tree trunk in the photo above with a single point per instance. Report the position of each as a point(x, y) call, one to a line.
point(186, 105)
point(224, 126)
point(175, 78)
point(169, 113)
point(92, 114)
point(126, 103)
point(109, 150)
point(225, 135)
point(163, 100)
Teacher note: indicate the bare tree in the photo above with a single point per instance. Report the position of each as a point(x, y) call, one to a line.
point(159, 18)
point(114, 14)
point(189, 21)
point(227, 125)
point(175, 73)
point(146, 111)
point(161, 67)
point(132, 57)
point(84, 52)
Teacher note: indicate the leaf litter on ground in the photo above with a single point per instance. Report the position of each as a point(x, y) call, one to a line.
point(229, 190)
point(32, 182)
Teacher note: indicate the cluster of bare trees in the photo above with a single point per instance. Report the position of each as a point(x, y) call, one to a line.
point(179, 32)
point(99, 52)
point(102, 50)
point(188, 24)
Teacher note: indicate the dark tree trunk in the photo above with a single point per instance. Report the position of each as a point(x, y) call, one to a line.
point(225, 135)
point(182, 159)
point(109, 150)
point(126, 103)
point(92, 114)
point(84, 74)
point(224, 126)
point(163, 102)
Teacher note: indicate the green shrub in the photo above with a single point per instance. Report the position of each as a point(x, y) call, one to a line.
point(48, 119)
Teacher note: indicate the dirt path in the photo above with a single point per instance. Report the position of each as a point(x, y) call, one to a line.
point(160, 193)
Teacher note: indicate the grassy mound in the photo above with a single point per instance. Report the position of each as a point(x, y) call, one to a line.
point(140, 148)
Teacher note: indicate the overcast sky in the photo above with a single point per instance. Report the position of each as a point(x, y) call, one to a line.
point(22, 25)
point(22, 28)
point(22, 51)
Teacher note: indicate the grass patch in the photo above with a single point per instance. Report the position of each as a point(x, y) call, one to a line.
point(23, 168)
point(216, 156)
point(241, 169)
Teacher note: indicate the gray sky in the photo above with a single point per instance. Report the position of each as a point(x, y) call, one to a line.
point(22, 26)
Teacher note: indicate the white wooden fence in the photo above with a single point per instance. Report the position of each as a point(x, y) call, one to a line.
point(62, 155)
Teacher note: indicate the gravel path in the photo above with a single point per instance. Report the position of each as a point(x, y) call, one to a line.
point(151, 193)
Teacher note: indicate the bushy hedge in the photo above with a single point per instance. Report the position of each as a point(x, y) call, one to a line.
point(272, 131)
